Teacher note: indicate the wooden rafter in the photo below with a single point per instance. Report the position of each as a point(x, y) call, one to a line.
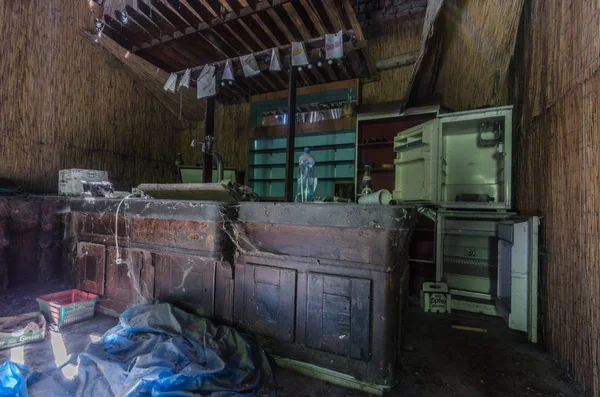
point(180, 34)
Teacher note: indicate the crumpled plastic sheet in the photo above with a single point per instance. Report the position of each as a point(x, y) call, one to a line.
point(160, 350)
point(14, 379)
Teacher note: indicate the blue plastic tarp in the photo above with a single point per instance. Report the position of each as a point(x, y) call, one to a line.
point(160, 350)
point(14, 379)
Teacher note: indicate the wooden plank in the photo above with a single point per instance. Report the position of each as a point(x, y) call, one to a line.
point(116, 37)
point(163, 25)
point(278, 22)
point(263, 26)
point(354, 83)
point(297, 21)
point(171, 15)
point(199, 11)
point(328, 70)
point(398, 61)
point(333, 13)
point(145, 23)
point(91, 263)
point(359, 322)
point(318, 78)
point(136, 29)
point(287, 303)
point(123, 31)
point(252, 35)
point(373, 71)
point(314, 17)
point(186, 12)
point(314, 315)
point(231, 36)
point(351, 21)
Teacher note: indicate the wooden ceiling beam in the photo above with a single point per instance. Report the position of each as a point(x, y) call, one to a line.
point(171, 15)
point(252, 35)
point(152, 78)
point(135, 28)
point(265, 29)
point(288, 37)
point(314, 17)
point(203, 10)
point(165, 27)
point(296, 20)
point(137, 40)
point(351, 21)
point(186, 12)
point(284, 51)
point(232, 37)
point(145, 23)
point(115, 36)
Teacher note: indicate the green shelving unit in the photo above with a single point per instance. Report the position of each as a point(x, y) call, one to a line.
point(334, 153)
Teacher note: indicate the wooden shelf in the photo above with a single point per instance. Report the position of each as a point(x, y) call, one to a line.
point(343, 124)
point(376, 144)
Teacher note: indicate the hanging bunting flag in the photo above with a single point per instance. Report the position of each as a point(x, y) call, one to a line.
point(334, 45)
point(227, 72)
point(249, 65)
point(185, 80)
point(206, 83)
point(171, 83)
point(299, 54)
point(275, 65)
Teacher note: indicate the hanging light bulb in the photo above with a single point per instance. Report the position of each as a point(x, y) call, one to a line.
point(124, 18)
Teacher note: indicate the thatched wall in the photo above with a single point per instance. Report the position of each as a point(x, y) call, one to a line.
point(478, 45)
point(388, 39)
point(558, 173)
point(68, 104)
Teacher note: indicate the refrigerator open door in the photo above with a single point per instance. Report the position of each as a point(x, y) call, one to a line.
point(517, 291)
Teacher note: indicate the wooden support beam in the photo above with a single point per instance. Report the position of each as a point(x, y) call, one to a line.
point(297, 21)
point(251, 34)
point(399, 61)
point(351, 20)
point(209, 130)
point(151, 77)
point(333, 13)
point(269, 34)
point(279, 24)
point(186, 12)
point(291, 137)
point(314, 16)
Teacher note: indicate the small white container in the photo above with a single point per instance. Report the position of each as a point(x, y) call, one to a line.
point(435, 298)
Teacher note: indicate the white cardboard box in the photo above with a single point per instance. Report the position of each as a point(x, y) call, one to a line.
point(69, 180)
point(435, 298)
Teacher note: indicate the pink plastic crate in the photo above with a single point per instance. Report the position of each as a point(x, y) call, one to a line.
point(68, 307)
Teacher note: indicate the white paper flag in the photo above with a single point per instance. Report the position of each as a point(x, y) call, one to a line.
point(206, 83)
point(299, 54)
point(249, 65)
point(334, 45)
point(275, 65)
point(171, 83)
point(185, 80)
point(227, 72)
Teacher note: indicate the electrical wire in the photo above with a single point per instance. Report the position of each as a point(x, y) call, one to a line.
point(118, 259)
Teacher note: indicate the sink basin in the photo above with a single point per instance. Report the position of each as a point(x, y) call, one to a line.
point(189, 191)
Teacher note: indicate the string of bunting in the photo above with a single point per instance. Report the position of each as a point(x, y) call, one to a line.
point(206, 83)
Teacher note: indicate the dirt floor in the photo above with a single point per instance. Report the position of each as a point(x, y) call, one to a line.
point(437, 359)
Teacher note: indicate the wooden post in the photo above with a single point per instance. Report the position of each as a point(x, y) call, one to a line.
point(291, 137)
point(209, 129)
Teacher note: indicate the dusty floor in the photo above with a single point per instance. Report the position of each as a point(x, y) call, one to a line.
point(437, 359)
